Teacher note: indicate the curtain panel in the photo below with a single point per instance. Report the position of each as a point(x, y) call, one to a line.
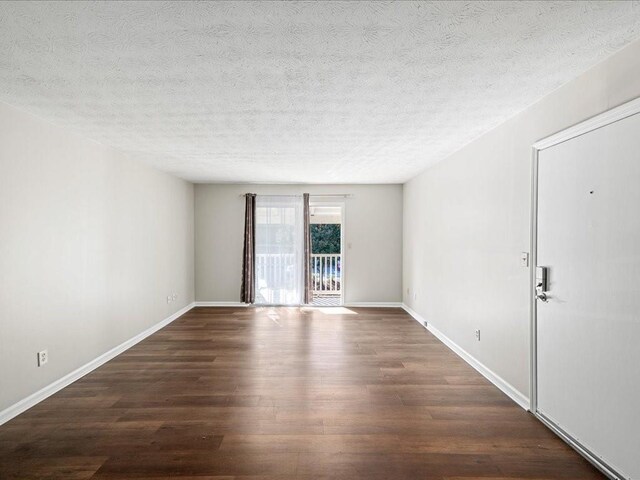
point(248, 291)
point(307, 294)
point(279, 250)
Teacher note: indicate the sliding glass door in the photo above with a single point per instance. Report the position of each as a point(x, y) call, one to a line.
point(279, 249)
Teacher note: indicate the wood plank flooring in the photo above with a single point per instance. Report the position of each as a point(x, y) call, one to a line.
point(285, 393)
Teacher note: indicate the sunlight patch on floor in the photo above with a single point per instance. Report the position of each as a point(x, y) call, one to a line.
point(328, 310)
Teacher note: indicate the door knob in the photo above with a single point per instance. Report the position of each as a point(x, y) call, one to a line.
point(542, 296)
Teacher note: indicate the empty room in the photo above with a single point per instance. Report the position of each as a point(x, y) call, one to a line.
point(332, 240)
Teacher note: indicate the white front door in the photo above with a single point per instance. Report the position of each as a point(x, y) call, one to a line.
point(588, 332)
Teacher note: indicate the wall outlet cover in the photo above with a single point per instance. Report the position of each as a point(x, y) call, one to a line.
point(43, 357)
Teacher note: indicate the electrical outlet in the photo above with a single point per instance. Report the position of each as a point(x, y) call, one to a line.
point(169, 298)
point(415, 295)
point(478, 335)
point(43, 357)
point(174, 297)
point(524, 259)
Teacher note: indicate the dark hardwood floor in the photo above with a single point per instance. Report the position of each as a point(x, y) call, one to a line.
point(285, 394)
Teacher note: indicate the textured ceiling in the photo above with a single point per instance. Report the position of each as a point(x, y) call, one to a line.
point(320, 92)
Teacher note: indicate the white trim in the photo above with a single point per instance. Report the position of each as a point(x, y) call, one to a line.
point(374, 304)
point(602, 120)
point(343, 209)
point(222, 304)
point(486, 372)
point(35, 398)
point(533, 306)
point(343, 263)
point(247, 305)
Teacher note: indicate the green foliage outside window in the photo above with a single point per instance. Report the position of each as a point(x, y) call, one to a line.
point(325, 238)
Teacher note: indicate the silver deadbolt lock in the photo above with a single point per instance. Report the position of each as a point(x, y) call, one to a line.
point(542, 283)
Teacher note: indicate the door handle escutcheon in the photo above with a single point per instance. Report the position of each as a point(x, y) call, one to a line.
point(542, 283)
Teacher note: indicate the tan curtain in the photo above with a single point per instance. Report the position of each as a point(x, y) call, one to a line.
point(307, 293)
point(248, 293)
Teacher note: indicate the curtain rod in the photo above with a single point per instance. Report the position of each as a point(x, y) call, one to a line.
point(345, 195)
point(342, 195)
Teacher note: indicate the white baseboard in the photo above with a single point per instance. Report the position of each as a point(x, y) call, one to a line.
point(221, 304)
point(486, 372)
point(374, 304)
point(351, 304)
point(35, 398)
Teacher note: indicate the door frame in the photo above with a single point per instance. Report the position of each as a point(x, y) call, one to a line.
point(607, 118)
point(341, 204)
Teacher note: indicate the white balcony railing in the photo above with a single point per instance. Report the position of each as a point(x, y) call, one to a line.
point(276, 278)
point(280, 269)
point(326, 274)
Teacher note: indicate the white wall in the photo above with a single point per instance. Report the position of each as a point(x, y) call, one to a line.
point(466, 220)
point(373, 228)
point(91, 244)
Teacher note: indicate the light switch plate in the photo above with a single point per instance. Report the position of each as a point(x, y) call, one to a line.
point(524, 259)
